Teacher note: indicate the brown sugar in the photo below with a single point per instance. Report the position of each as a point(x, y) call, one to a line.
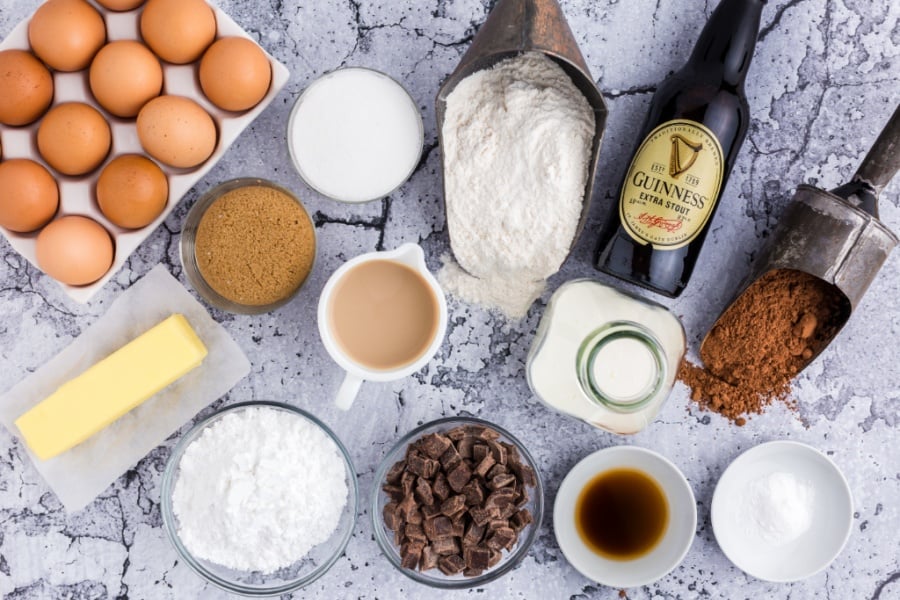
point(255, 245)
point(764, 339)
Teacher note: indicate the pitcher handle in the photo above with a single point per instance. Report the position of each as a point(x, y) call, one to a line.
point(347, 392)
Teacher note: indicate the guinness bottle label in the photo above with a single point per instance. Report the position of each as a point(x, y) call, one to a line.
point(672, 185)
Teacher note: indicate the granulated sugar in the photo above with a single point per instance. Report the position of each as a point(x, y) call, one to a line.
point(258, 489)
point(517, 145)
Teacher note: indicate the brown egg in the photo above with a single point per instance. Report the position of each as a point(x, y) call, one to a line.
point(124, 76)
point(26, 88)
point(120, 5)
point(178, 31)
point(235, 74)
point(176, 131)
point(66, 34)
point(74, 250)
point(132, 191)
point(74, 138)
point(29, 196)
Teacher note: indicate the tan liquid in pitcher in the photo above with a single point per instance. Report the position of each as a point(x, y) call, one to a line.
point(383, 314)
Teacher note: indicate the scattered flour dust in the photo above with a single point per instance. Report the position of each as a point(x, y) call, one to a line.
point(517, 144)
point(258, 489)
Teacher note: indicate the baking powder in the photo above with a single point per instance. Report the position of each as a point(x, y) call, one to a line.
point(517, 145)
point(258, 489)
point(779, 507)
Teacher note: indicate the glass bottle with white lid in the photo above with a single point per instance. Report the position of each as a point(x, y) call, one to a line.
point(605, 356)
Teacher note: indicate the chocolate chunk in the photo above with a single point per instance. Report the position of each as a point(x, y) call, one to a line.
point(459, 524)
point(391, 515)
point(479, 451)
point(477, 557)
point(422, 466)
point(407, 505)
point(503, 537)
point(498, 523)
point(394, 473)
point(474, 493)
point(512, 453)
point(453, 505)
point(423, 491)
point(502, 480)
point(497, 469)
point(508, 511)
point(523, 498)
point(434, 445)
point(429, 559)
point(521, 519)
point(485, 465)
point(495, 558)
point(431, 511)
point(438, 528)
point(410, 553)
point(482, 515)
point(451, 565)
point(500, 498)
point(524, 472)
point(473, 534)
point(394, 492)
point(450, 459)
point(497, 451)
point(415, 516)
point(414, 533)
point(481, 432)
point(464, 447)
point(459, 477)
point(407, 482)
point(472, 572)
point(440, 487)
point(446, 546)
point(457, 433)
point(398, 536)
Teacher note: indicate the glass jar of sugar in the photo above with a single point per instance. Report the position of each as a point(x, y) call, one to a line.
point(605, 356)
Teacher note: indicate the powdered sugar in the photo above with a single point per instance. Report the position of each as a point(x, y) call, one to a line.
point(258, 489)
point(517, 143)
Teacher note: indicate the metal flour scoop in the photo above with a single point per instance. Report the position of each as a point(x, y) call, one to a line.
point(836, 236)
point(517, 26)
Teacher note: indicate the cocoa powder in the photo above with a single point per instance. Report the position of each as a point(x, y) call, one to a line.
point(764, 339)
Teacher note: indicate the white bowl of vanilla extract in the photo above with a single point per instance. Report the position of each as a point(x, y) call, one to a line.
point(625, 516)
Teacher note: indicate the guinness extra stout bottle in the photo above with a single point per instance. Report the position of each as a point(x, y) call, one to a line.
point(697, 122)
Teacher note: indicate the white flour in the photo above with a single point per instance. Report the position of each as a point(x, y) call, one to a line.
point(517, 143)
point(258, 489)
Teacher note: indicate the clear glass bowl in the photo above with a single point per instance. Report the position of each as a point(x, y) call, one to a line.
point(303, 572)
point(434, 577)
point(189, 257)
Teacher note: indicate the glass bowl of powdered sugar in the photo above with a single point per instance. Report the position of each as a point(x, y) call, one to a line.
point(260, 498)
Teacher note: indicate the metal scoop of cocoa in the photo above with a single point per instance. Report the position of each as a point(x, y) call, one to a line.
point(773, 331)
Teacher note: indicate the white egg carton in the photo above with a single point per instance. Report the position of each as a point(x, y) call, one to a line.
point(77, 193)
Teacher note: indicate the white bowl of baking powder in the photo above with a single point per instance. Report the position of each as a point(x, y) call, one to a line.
point(260, 498)
point(782, 511)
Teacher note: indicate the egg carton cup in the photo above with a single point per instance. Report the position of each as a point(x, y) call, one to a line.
point(77, 194)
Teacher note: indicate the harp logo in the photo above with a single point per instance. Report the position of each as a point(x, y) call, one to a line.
point(672, 185)
point(684, 154)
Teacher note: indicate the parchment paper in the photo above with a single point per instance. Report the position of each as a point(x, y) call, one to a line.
point(82, 473)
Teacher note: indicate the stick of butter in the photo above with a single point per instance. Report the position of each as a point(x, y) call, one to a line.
point(112, 387)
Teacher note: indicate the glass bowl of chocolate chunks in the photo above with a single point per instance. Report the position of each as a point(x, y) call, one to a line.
point(457, 503)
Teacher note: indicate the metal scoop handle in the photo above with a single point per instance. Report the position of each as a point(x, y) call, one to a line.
point(883, 160)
